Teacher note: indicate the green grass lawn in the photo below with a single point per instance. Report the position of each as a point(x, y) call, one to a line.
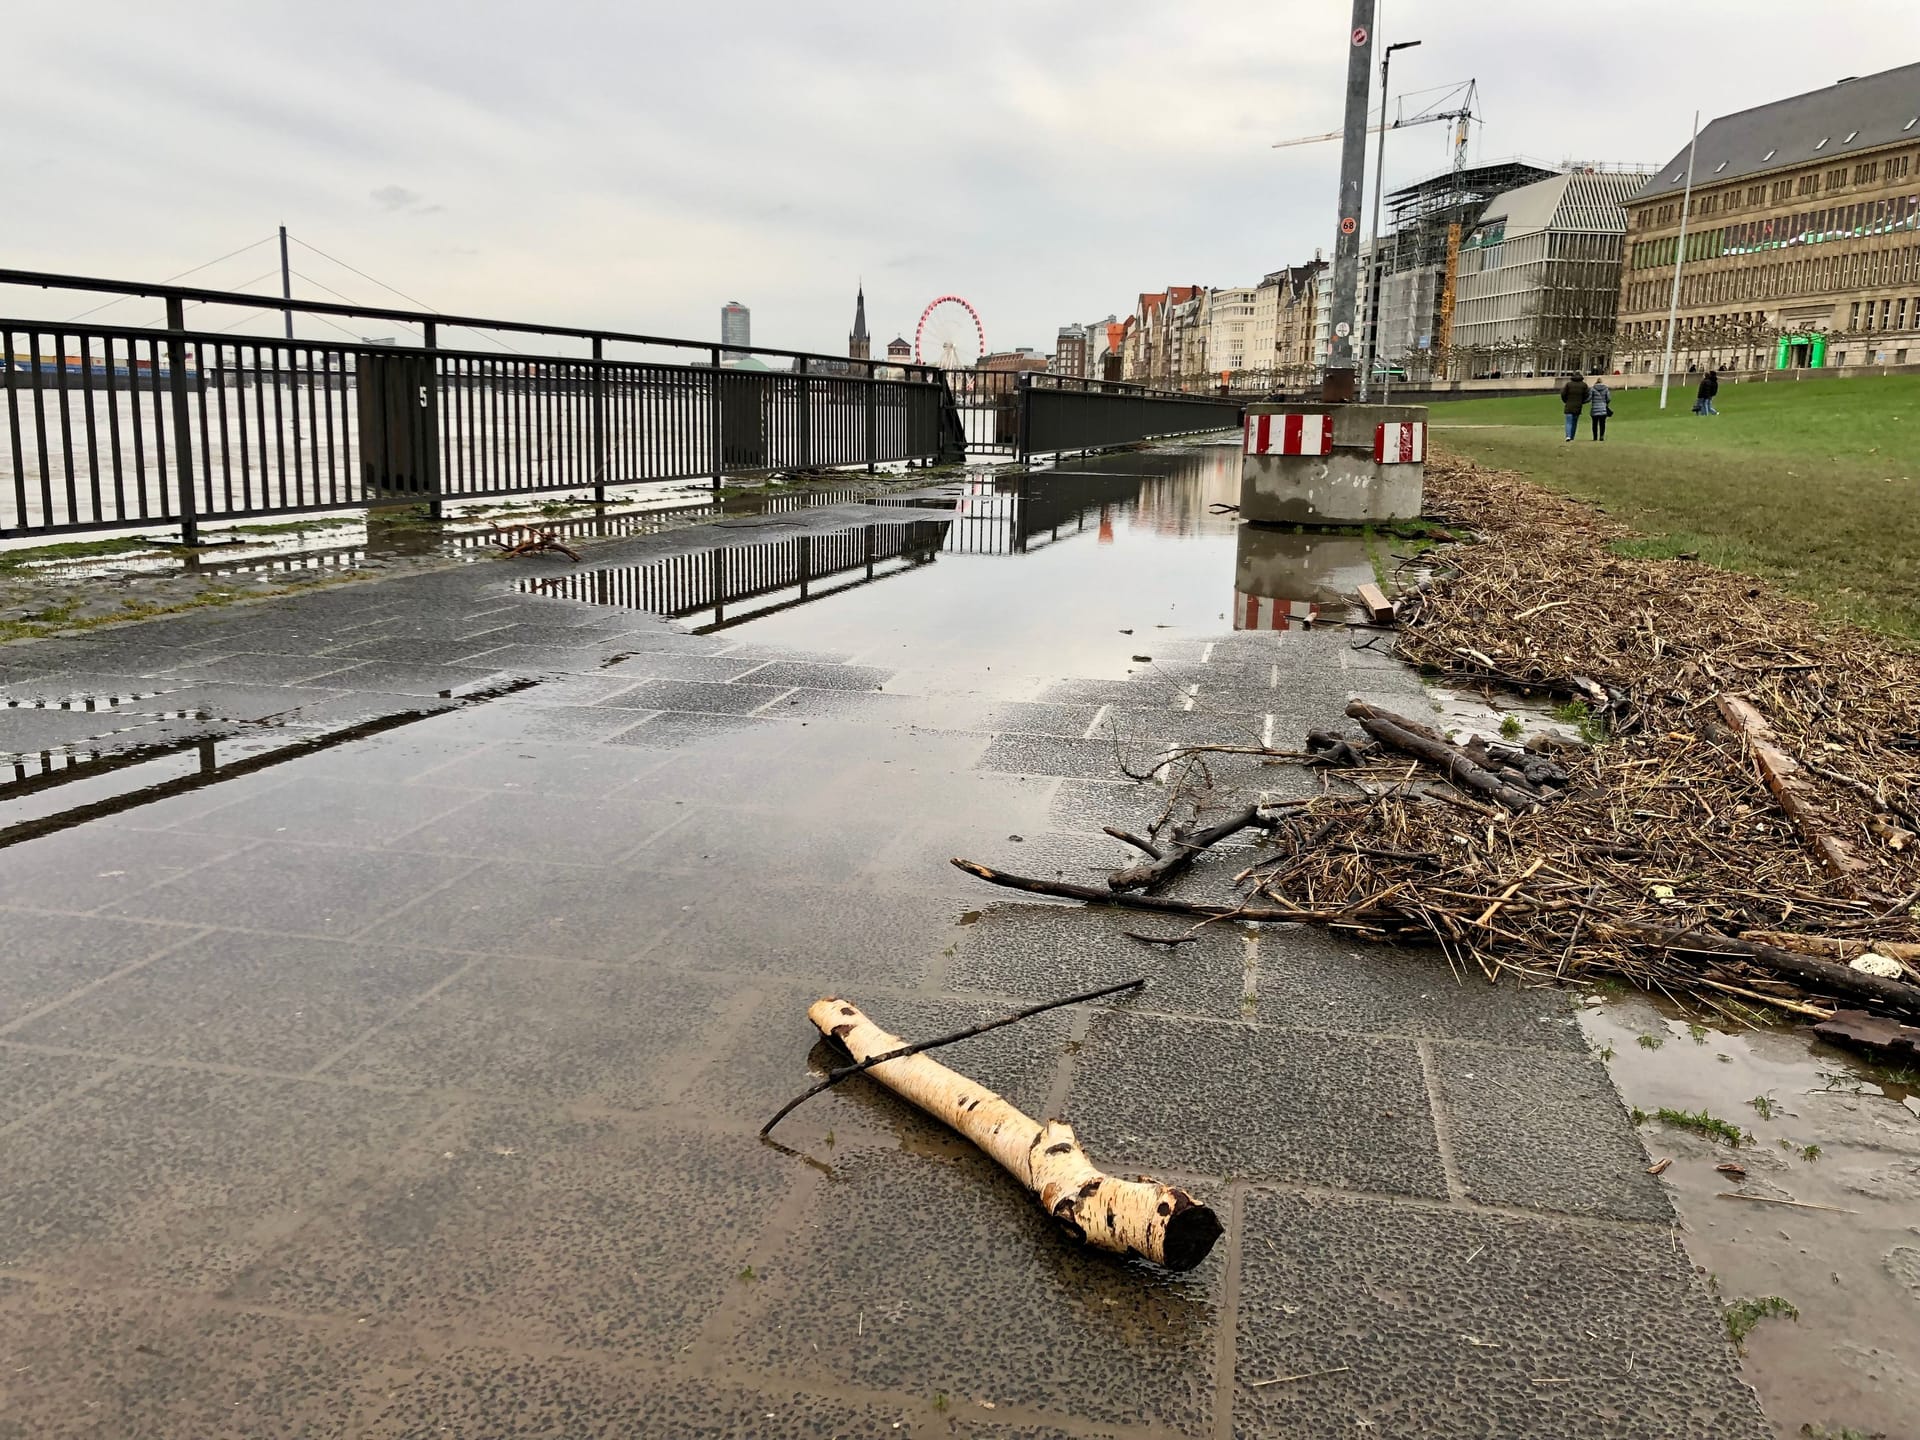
point(1813, 484)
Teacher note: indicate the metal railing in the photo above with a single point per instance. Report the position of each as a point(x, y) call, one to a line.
point(727, 585)
point(1064, 412)
point(111, 427)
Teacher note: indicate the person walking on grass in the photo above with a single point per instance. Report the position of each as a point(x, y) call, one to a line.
point(1573, 399)
point(1601, 406)
point(1709, 387)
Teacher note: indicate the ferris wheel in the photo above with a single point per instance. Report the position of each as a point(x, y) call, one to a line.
point(949, 335)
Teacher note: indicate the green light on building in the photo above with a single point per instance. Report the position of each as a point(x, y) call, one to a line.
point(1801, 352)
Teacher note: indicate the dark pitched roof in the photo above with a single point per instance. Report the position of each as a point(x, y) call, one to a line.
point(1827, 124)
point(860, 316)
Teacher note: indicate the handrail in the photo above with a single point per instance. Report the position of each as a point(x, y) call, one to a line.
point(48, 280)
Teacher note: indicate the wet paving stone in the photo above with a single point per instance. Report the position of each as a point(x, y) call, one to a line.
point(1042, 951)
point(793, 673)
point(707, 696)
point(987, 1305)
point(93, 866)
point(836, 935)
point(676, 665)
point(535, 756)
point(48, 956)
point(673, 729)
point(1073, 759)
point(1229, 1100)
point(534, 1224)
point(506, 1395)
point(1525, 1132)
point(560, 829)
point(724, 847)
point(1450, 1324)
point(99, 1366)
point(29, 1080)
point(871, 707)
point(1315, 980)
point(327, 810)
point(260, 669)
point(263, 1001)
point(546, 1030)
point(296, 889)
point(610, 915)
point(180, 1177)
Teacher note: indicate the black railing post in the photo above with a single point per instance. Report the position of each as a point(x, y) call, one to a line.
point(599, 424)
point(182, 419)
point(872, 417)
point(719, 431)
point(806, 412)
point(430, 420)
point(1023, 420)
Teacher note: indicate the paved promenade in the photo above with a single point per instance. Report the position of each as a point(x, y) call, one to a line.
point(382, 1049)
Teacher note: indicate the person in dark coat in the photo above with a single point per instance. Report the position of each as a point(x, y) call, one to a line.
point(1601, 396)
point(1709, 387)
point(1573, 399)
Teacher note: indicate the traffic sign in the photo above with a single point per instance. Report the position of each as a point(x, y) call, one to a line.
point(1360, 35)
point(1343, 329)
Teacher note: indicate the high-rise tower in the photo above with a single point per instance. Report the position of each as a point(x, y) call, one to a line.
point(857, 340)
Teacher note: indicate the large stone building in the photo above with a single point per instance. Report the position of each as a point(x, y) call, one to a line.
point(1538, 279)
point(1070, 351)
point(1229, 321)
point(1802, 237)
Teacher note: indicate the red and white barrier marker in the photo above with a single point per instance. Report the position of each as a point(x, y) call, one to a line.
point(1289, 435)
point(1402, 442)
point(1261, 612)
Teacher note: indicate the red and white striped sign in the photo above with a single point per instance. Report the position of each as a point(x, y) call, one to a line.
point(1289, 435)
point(1261, 612)
point(1403, 442)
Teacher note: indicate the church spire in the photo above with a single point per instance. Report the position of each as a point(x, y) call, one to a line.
point(857, 341)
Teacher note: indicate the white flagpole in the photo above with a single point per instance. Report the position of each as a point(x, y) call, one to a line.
point(1679, 255)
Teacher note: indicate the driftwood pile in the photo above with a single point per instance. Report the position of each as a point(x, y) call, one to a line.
point(1744, 830)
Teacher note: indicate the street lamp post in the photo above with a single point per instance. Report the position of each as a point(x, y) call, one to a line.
point(1373, 242)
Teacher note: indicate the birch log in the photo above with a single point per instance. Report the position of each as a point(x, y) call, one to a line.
point(1781, 774)
point(1141, 1217)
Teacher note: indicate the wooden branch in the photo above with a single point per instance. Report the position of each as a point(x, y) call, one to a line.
point(1066, 890)
point(1808, 970)
point(1414, 739)
point(1160, 1223)
point(1183, 848)
point(1781, 774)
point(847, 1072)
point(1146, 846)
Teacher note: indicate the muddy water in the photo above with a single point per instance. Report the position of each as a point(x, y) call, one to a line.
point(1851, 1362)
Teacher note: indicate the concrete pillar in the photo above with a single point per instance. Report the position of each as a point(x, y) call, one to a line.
point(1343, 486)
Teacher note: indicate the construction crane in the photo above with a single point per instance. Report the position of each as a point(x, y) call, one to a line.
point(1467, 93)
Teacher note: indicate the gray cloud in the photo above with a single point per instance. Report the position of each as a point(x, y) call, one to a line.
point(398, 200)
point(642, 164)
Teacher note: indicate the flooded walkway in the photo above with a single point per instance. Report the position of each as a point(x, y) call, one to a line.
point(397, 976)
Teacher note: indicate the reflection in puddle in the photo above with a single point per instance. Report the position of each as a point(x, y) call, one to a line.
point(724, 586)
point(1837, 1138)
point(58, 797)
point(1054, 570)
point(1283, 578)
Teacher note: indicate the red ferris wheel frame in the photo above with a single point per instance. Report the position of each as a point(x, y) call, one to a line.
point(921, 329)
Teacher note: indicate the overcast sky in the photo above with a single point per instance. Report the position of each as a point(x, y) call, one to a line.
point(636, 164)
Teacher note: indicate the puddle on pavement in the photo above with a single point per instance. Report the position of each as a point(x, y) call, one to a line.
point(47, 793)
point(1074, 570)
point(1852, 1359)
